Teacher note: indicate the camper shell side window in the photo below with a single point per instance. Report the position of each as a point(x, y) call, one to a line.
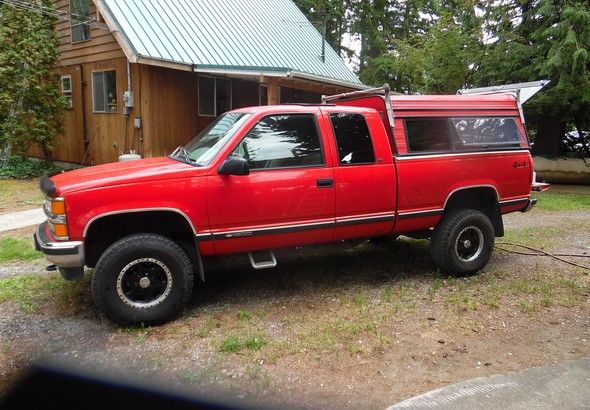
point(435, 135)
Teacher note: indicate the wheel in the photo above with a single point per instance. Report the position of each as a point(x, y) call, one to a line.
point(462, 243)
point(143, 278)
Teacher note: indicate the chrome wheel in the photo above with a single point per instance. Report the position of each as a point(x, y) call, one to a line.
point(144, 283)
point(469, 243)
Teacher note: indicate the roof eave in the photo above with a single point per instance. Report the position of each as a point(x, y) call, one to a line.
point(327, 80)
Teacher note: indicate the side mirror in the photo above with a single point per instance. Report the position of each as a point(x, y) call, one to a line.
point(234, 165)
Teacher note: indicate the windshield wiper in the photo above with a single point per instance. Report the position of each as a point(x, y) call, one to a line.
point(182, 154)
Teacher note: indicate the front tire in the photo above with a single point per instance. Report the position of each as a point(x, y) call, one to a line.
point(463, 242)
point(143, 278)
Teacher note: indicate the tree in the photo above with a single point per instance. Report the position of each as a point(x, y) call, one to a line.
point(331, 12)
point(31, 105)
point(546, 39)
point(435, 63)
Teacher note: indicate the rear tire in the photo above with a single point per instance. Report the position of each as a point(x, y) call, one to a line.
point(463, 242)
point(143, 278)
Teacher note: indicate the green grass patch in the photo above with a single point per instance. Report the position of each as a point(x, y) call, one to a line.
point(244, 315)
point(32, 292)
point(16, 249)
point(537, 236)
point(206, 329)
point(564, 198)
point(254, 343)
point(17, 194)
point(24, 290)
point(231, 344)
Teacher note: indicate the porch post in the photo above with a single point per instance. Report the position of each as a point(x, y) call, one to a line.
point(273, 91)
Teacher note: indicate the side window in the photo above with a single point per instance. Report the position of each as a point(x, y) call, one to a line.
point(428, 134)
point(79, 17)
point(104, 91)
point(352, 138)
point(282, 141)
point(66, 89)
point(484, 133)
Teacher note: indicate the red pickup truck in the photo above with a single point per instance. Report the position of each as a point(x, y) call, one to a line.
point(261, 178)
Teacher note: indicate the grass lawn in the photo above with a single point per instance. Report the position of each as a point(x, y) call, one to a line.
point(17, 250)
point(32, 292)
point(564, 198)
point(17, 195)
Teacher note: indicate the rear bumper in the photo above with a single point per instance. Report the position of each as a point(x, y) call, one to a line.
point(530, 205)
point(68, 254)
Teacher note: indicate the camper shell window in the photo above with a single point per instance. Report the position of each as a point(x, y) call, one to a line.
point(461, 134)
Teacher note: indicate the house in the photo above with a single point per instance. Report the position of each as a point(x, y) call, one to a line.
point(148, 76)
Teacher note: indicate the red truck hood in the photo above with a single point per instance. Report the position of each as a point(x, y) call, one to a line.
point(117, 173)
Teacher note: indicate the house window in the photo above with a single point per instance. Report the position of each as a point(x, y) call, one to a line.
point(214, 96)
point(79, 18)
point(66, 88)
point(104, 91)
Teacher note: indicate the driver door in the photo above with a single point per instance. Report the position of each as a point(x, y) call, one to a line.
point(287, 199)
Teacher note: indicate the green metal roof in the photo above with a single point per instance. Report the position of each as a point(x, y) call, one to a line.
point(266, 36)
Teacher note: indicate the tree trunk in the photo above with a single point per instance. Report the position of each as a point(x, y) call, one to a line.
point(47, 154)
point(549, 136)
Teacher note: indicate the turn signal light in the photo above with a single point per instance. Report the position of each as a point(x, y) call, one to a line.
point(58, 207)
point(60, 230)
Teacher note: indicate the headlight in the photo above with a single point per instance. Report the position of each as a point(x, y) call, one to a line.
point(55, 209)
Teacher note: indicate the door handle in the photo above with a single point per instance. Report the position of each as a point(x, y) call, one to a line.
point(325, 183)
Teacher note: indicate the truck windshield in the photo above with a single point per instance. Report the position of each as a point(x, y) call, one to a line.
point(203, 148)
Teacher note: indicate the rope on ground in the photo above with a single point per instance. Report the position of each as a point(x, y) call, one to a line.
point(539, 252)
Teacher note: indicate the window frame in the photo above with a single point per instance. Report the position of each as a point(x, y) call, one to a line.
point(67, 93)
point(106, 100)
point(336, 140)
point(76, 24)
point(318, 132)
point(231, 95)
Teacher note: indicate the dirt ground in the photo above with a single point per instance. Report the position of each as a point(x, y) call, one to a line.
point(331, 327)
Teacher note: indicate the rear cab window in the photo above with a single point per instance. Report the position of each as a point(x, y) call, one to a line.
point(353, 139)
point(461, 134)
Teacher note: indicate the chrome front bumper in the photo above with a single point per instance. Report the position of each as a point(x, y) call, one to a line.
point(67, 254)
point(530, 205)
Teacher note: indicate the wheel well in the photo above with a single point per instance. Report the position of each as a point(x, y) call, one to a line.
point(483, 199)
point(106, 230)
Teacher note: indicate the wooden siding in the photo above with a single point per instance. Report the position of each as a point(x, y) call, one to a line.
point(168, 109)
point(101, 46)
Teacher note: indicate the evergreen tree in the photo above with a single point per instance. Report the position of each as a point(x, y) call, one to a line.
point(31, 105)
point(546, 39)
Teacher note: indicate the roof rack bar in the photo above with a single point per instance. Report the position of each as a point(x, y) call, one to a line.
point(521, 91)
point(361, 93)
point(524, 90)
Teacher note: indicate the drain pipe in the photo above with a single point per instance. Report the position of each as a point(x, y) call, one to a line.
point(84, 126)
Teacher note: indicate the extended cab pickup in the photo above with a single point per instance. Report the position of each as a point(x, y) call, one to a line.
point(261, 178)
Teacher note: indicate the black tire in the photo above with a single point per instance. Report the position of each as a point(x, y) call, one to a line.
point(142, 279)
point(463, 242)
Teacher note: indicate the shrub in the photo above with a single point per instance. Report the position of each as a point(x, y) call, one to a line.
point(23, 168)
